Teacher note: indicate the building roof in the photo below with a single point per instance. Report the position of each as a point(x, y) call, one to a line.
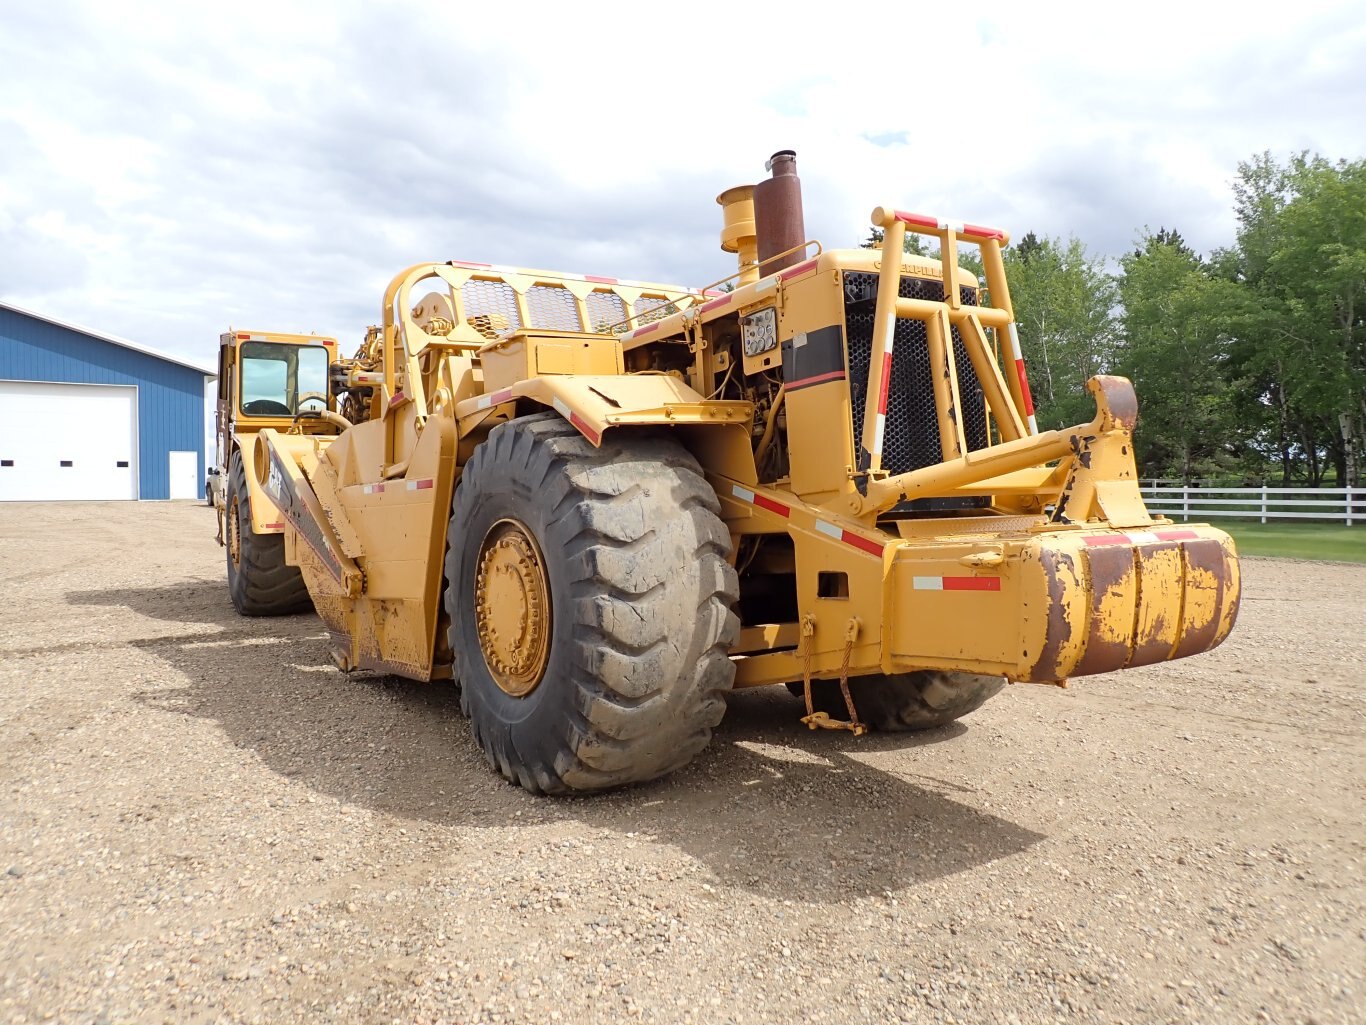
point(207, 371)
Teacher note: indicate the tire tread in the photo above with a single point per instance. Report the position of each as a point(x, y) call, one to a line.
point(640, 527)
point(262, 584)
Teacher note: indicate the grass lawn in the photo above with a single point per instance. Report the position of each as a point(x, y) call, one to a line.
point(1297, 540)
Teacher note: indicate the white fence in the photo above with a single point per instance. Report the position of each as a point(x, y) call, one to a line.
point(1341, 505)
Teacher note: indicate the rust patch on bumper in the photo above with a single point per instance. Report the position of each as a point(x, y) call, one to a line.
point(1206, 571)
point(1058, 568)
point(1149, 603)
point(1112, 610)
point(1157, 624)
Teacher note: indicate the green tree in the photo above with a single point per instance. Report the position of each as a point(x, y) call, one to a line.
point(1064, 303)
point(1176, 338)
point(913, 243)
point(1302, 255)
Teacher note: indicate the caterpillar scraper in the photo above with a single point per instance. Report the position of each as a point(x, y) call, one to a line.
point(265, 380)
point(600, 505)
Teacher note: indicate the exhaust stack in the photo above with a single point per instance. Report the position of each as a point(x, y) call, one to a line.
point(778, 213)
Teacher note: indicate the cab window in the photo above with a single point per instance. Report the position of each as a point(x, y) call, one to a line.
point(281, 380)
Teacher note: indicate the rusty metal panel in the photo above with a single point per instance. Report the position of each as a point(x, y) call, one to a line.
point(1158, 617)
point(1065, 594)
point(1114, 590)
point(1233, 589)
point(1205, 580)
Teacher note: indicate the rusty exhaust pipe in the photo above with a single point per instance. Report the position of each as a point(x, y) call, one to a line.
point(778, 217)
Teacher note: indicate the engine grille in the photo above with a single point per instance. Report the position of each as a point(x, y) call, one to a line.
point(911, 438)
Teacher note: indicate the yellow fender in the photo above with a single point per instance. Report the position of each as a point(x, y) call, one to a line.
point(716, 431)
point(266, 517)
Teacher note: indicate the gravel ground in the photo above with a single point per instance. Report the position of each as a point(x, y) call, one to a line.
point(202, 821)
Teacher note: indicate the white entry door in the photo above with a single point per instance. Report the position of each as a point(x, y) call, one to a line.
point(184, 475)
point(67, 441)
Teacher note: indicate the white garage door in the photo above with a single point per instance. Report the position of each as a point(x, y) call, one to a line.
point(67, 441)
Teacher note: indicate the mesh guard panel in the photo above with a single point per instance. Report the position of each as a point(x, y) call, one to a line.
point(650, 308)
point(911, 436)
point(605, 311)
point(552, 308)
point(491, 308)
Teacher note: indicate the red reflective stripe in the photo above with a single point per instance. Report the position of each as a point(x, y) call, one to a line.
point(920, 219)
point(1024, 387)
point(886, 382)
point(466, 263)
point(715, 291)
point(862, 543)
point(977, 229)
point(1176, 535)
point(806, 382)
point(600, 281)
point(771, 506)
point(716, 304)
point(422, 485)
point(641, 331)
point(801, 268)
point(272, 526)
point(1098, 540)
point(584, 429)
point(972, 583)
point(501, 396)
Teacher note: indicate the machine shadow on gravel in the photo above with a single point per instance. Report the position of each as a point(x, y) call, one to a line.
point(770, 807)
point(190, 602)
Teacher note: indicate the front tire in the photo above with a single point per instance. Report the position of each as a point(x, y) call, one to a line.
point(260, 582)
point(920, 700)
point(590, 605)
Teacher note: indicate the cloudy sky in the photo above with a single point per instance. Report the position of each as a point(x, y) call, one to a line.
point(168, 171)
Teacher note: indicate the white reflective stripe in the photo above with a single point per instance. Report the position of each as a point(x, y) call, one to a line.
point(878, 425)
point(956, 226)
point(889, 335)
point(744, 494)
point(561, 407)
point(767, 285)
point(484, 402)
point(1033, 424)
point(928, 583)
point(1015, 341)
point(1139, 537)
point(830, 529)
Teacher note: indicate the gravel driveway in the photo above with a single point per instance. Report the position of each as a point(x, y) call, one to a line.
point(202, 821)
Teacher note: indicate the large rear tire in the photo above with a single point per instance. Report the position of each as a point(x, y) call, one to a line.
point(907, 701)
point(260, 582)
point(590, 605)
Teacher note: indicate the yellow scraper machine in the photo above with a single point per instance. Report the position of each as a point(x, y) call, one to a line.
point(599, 505)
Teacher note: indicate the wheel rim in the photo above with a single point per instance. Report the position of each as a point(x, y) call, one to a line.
point(512, 608)
point(234, 533)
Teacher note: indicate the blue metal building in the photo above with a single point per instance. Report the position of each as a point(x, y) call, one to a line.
point(85, 415)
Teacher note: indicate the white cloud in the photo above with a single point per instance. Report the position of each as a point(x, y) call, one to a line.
point(171, 171)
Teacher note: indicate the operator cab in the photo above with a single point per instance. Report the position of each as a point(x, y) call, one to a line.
point(282, 379)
